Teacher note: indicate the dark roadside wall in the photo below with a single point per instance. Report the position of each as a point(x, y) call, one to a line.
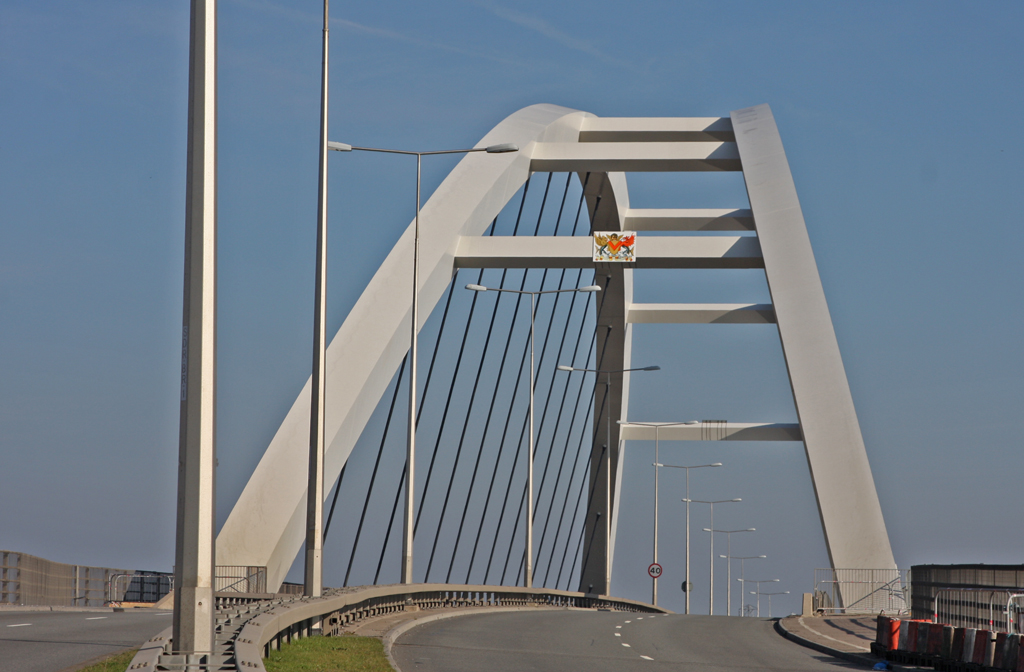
point(927, 580)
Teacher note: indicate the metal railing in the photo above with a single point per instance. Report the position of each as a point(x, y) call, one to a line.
point(139, 587)
point(29, 580)
point(240, 579)
point(987, 609)
point(861, 591)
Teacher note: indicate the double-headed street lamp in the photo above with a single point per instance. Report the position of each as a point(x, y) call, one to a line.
point(730, 558)
point(607, 459)
point(316, 424)
point(728, 565)
point(529, 477)
point(657, 465)
point(758, 592)
point(711, 505)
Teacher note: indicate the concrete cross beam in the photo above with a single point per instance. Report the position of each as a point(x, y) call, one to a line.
point(578, 252)
point(700, 313)
point(716, 431)
point(634, 157)
point(657, 129)
point(689, 219)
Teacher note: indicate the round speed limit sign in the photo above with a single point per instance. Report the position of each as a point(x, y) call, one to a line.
point(654, 571)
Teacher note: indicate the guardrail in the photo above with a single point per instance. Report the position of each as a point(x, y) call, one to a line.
point(139, 587)
point(860, 591)
point(249, 631)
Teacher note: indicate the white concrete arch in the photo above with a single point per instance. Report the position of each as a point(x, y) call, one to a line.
point(266, 526)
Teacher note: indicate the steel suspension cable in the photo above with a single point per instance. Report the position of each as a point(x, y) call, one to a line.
point(515, 461)
point(497, 383)
point(401, 479)
point(472, 398)
point(455, 375)
point(373, 476)
point(568, 438)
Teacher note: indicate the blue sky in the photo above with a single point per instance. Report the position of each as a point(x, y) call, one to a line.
point(897, 119)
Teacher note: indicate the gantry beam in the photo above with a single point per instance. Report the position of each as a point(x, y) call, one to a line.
point(715, 431)
point(700, 313)
point(657, 129)
point(634, 157)
point(689, 219)
point(578, 251)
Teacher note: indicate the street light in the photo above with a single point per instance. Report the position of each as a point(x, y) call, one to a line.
point(758, 593)
point(607, 460)
point(529, 478)
point(728, 565)
point(657, 466)
point(742, 574)
point(411, 452)
point(687, 500)
point(711, 592)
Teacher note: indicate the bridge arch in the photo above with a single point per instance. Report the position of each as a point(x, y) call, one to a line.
point(266, 526)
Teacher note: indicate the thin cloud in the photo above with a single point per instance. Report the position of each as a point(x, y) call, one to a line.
point(272, 8)
point(541, 26)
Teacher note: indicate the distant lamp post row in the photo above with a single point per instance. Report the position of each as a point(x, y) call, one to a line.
point(758, 591)
point(728, 570)
point(742, 558)
point(769, 596)
point(711, 504)
point(529, 461)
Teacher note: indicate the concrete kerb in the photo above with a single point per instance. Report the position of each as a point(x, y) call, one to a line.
point(866, 660)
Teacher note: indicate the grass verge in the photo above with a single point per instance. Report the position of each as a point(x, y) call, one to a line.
point(118, 662)
point(347, 653)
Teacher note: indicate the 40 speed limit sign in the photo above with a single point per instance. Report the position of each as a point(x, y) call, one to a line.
point(654, 571)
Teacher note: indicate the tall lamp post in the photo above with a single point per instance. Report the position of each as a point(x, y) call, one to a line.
point(728, 565)
point(730, 558)
point(657, 466)
point(529, 476)
point(607, 460)
point(711, 504)
point(758, 593)
point(769, 595)
point(410, 480)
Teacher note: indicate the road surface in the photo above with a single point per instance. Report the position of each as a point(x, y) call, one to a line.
point(47, 641)
point(573, 641)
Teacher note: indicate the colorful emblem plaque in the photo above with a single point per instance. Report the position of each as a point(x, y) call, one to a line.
point(615, 246)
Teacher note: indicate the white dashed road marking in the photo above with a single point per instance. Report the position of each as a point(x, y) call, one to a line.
point(18, 625)
point(627, 621)
point(95, 618)
point(618, 626)
point(647, 658)
point(618, 634)
point(624, 644)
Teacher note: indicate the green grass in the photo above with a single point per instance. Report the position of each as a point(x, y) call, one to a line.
point(346, 653)
point(118, 662)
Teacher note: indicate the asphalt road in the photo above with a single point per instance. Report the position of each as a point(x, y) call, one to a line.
point(577, 641)
point(48, 641)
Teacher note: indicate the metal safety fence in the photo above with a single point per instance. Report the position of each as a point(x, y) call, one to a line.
point(139, 587)
point(989, 609)
point(861, 591)
point(29, 580)
point(240, 579)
